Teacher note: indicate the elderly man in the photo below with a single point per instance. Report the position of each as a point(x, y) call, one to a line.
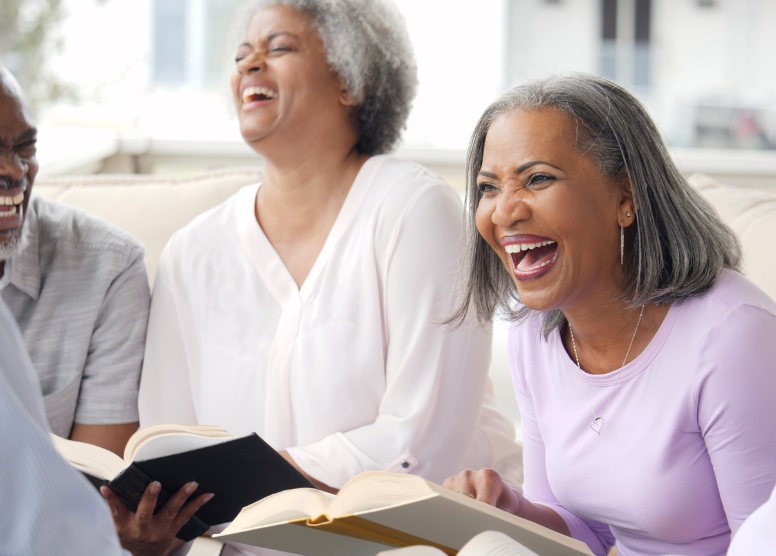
point(78, 289)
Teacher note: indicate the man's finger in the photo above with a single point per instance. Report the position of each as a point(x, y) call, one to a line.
point(184, 515)
point(174, 504)
point(147, 505)
point(117, 508)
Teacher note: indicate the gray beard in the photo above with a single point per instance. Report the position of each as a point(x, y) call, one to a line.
point(16, 241)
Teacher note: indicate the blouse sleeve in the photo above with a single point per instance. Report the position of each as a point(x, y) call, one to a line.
point(536, 486)
point(435, 376)
point(165, 386)
point(736, 397)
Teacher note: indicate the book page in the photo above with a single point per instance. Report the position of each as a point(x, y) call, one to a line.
point(88, 458)
point(308, 541)
point(418, 550)
point(372, 490)
point(155, 431)
point(299, 503)
point(489, 543)
point(493, 543)
point(177, 443)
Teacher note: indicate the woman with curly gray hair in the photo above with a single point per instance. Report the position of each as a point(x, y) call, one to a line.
point(643, 361)
point(306, 308)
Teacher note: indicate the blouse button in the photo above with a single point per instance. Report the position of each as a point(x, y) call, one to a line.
point(405, 464)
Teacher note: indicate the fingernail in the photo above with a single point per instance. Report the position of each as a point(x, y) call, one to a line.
point(104, 490)
point(156, 486)
point(209, 497)
point(191, 487)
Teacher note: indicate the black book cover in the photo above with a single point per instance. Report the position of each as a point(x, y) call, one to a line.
point(239, 472)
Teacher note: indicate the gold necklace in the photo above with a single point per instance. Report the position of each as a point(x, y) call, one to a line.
point(598, 421)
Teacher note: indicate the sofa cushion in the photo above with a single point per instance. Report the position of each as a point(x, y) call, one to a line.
point(149, 207)
point(752, 215)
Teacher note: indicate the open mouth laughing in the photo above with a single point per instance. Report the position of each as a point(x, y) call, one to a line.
point(256, 95)
point(11, 207)
point(532, 256)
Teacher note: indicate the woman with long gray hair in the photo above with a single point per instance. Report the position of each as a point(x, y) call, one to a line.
point(306, 308)
point(643, 361)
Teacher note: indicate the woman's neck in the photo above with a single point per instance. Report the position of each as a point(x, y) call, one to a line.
point(603, 333)
point(299, 201)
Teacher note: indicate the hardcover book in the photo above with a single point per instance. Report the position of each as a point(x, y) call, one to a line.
point(375, 511)
point(238, 470)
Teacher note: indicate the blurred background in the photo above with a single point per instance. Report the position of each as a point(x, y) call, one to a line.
point(141, 86)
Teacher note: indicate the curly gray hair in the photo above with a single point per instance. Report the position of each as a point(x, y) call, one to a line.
point(677, 245)
point(367, 45)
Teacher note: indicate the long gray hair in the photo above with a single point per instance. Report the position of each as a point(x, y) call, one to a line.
point(677, 246)
point(368, 46)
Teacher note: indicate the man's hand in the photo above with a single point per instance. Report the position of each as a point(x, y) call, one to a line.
point(486, 486)
point(146, 534)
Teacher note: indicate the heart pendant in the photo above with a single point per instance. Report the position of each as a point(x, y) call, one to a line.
point(597, 425)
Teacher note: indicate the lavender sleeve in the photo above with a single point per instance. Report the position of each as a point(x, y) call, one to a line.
point(536, 487)
point(736, 401)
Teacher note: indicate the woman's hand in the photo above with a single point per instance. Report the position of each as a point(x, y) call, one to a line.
point(486, 486)
point(146, 534)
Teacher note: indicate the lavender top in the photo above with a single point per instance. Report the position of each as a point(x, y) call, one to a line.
point(688, 450)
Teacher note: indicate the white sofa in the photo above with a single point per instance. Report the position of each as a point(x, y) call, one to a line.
point(149, 207)
point(152, 208)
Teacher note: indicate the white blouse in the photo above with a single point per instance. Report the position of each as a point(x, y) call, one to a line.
point(350, 372)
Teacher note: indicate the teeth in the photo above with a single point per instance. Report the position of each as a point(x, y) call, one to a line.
point(517, 247)
point(250, 91)
point(17, 200)
point(7, 213)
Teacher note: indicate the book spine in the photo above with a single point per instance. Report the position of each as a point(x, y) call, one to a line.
point(130, 485)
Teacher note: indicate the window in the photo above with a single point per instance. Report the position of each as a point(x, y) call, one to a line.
point(609, 39)
point(191, 41)
point(169, 40)
point(625, 42)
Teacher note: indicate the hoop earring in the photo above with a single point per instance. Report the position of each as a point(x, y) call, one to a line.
point(622, 242)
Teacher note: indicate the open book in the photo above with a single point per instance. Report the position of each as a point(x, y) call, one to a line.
point(489, 543)
point(376, 510)
point(238, 470)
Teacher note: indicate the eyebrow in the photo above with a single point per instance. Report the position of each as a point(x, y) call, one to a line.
point(29, 134)
point(520, 170)
point(527, 165)
point(276, 35)
point(271, 38)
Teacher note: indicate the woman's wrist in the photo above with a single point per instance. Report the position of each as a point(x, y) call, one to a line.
point(542, 515)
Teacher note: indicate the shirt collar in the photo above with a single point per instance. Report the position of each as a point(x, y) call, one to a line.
point(24, 269)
